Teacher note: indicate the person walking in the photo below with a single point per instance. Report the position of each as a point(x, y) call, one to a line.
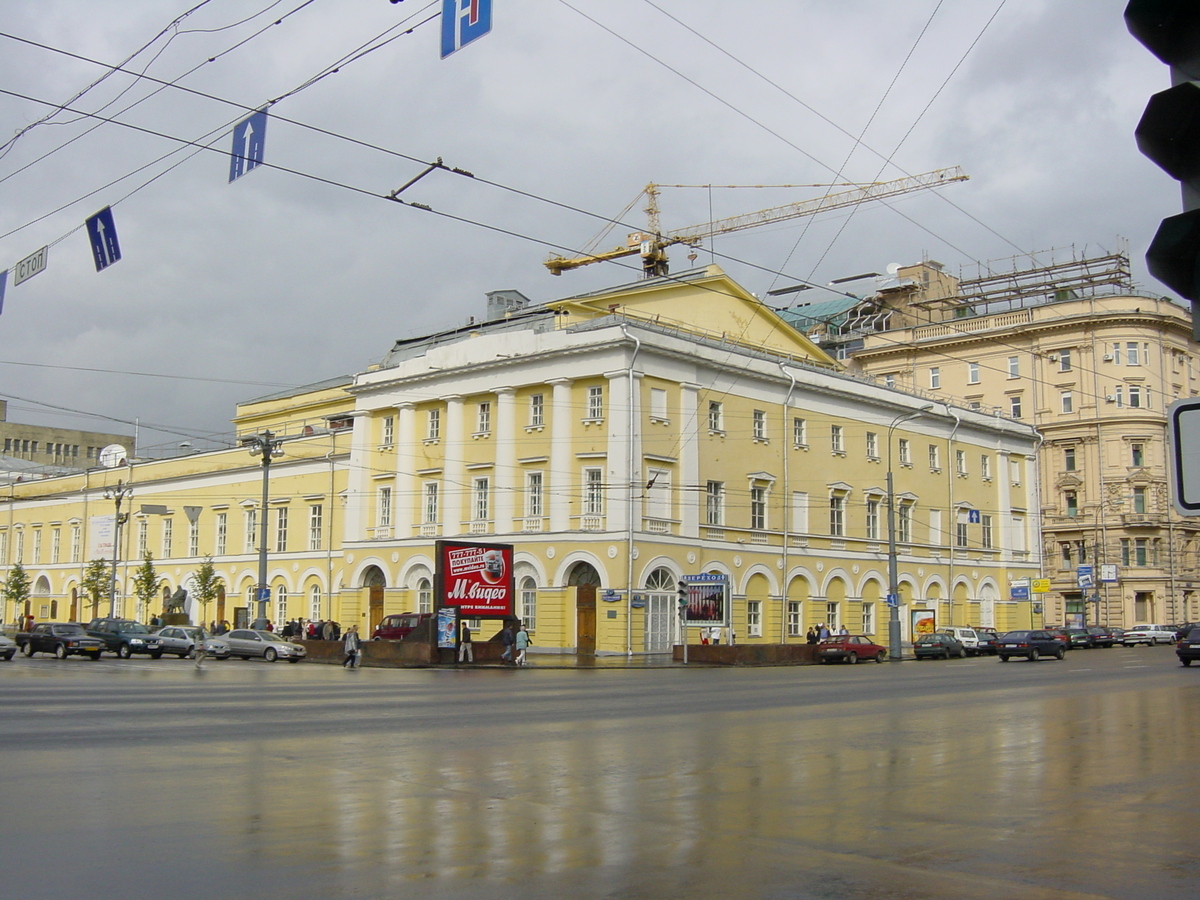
point(507, 639)
point(200, 649)
point(522, 644)
point(351, 645)
point(811, 637)
point(464, 647)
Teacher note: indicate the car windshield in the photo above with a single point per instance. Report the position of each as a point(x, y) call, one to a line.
point(68, 629)
point(271, 636)
point(132, 628)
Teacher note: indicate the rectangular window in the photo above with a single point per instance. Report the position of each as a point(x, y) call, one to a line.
point(1018, 533)
point(960, 462)
point(434, 425)
point(714, 503)
point(76, 544)
point(1014, 406)
point(537, 411)
point(593, 492)
point(483, 421)
point(837, 442)
point(960, 535)
point(430, 505)
point(868, 618)
point(251, 530)
point(1137, 454)
point(1140, 555)
point(972, 373)
point(1069, 459)
point(658, 404)
point(1131, 353)
point(37, 546)
point(55, 545)
point(872, 518)
point(194, 538)
point(837, 514)
point(1014, 367)
point(935, 526)
point(316, 528)
point(800, 432)
point(760, 425)
point(758, 508)
point(389, 431)
point(595, 402)
point(716, 417)
point(872, 445)
point(754, 617)
point(1014, 471)
point(281, 529)
point(794, 619)
point(985, 466)
point(1139, 500)
point(658, 493)
point(534, 504)
point(889, 381)
point(935, 458)
point(1067, 401)
point(1064, 360)
point(1135, 396)
point(383, 508)
point(831, 616)
point(935, 378)
point(985, 532)
point(481, 488)
point(800, 512)
point(1072, 503)
point(529, 604)
point(905, 448)
point(222, 533)
point(168, 531)
point(1119, 394)
point(143, 538)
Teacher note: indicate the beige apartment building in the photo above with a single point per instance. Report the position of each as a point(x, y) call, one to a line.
point(1093, 363)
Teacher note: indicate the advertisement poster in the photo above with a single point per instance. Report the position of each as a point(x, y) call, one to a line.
point(707, 599)
point(446, 627)
point(475, 578)
point(101, 533)
point(923, 621)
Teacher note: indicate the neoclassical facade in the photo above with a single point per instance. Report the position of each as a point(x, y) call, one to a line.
point(620, 441)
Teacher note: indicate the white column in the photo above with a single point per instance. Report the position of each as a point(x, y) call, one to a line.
point(359, 493)
point(407, 499)
point(563, 479)
point(624, 470)
point(505, 478)
point(688, 487)
point(1004, 504)
point(454, 469)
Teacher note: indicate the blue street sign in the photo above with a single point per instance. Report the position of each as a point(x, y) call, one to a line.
point(893, 599)
point(102, 234)
point(972, 517)
point(463, 21)
point(264, 593)
point(3, 284)
point(249, 141)
point(1084, 576)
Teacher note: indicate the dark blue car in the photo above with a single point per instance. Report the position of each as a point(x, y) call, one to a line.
point(1030, 644)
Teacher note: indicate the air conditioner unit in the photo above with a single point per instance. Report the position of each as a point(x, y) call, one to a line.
point(1107, 357)
point(1110, 399)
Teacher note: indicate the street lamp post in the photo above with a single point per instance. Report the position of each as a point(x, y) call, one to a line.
point(117, 494)
point(893, 598)
point(268, 447)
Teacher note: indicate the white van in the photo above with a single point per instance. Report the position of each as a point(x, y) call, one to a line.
point(965, 636)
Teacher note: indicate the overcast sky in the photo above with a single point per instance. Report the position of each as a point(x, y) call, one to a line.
point(227, 291)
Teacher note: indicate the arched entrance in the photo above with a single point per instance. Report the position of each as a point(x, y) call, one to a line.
point(374, 581)
point(585, 579)
point(661, 593)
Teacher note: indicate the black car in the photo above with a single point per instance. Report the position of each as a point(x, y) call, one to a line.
point(1188, 648)
point(938, 645)
point(989, 641)
point(1101, 636)
point(63, 639)
point(1031, 644)
point(125, 637)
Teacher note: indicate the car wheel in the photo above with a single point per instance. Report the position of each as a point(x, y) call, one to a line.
point(1003, 657)
point(157, 655)
point(60, 651)
point(27, 649)
point(294, 659)
point(1186, 662)
point(270, 655)
point(1061, 654)
point(881, 657)
point(9, 655)
point(94, 657)
point(124, 652)
point(1034, 655)
point(1153, 642)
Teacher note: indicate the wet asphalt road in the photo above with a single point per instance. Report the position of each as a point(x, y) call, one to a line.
point(964, 779)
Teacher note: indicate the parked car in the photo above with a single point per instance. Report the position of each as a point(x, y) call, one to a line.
point(398, 627)
point(1031, 644)
point(1101, 636)
point(849, 648)
point(1188, 649)
point(1182, 631)
point(63, 639)
point(8, 647)
point(1148, 634)
point(965, 636)
point(939, 645)
point(1079, 637)
point(125, 637)
point(248, 642)
point(181, 641)
point(989, 640)
point(1060, 635)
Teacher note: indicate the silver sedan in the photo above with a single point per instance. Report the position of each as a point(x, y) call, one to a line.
point(247, 643)
point(181, 641)
point(7, 648)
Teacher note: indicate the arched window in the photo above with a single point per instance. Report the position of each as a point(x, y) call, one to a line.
point(528, 592)
point(314, 602)
point(583, 573)
point(661, 580)
point(281, 599)
point(424, 596)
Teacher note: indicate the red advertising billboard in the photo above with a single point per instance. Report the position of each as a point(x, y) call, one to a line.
point(476, 578)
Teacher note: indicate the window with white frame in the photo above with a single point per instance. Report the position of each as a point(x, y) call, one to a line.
point(595, 402)
point(837, 439)
point(904, 518)
point(1137, 454)
point(1064, 360)
point(528, 610)
point(316, 529)
point(800, 512)
point(55, 545)
point(37, 546)
point(985, 531)
point(985, 466)
point(837, 513)
point(194, 538)
point(537, 410)
point(1131, 354)
point(960, 531)
point(1014, 471)
point(935, 526)
point(383, 507)
point(1018, 527)
point(760, 425)
point(424, 596)
point(795, 618)
point(714, 503)
point(658, 493)
point(281, 601)
point(872, 445)
point(754, 618)
point(1014, 367)
point(935, 458)
point(658, 404)
point(972, 373)
point(873, 505)
point(799, 432)
point(758, 507)
point(388, 429)
point(1066, 401)
point(433, 429)
point(832, 619)
point(960, 462)
point(481, 489)
point(716, 416)
point(483, 419)
point(168, 532)
point(1014, 406)
point(1135, 396)
point(593, 492)
point(868, 618)
point(76, 544)
point(314, 602)
point(935, 378)
point(222, 541)
point(251, 530)
point(534, 498)
point(429, 506)
point(281, 529)
point(20, 548)
point(889, 380)
point(143, 538)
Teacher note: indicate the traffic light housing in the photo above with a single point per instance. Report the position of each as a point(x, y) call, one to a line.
point(1169, 134)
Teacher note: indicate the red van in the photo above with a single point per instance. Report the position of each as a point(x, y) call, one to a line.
point(398, 627)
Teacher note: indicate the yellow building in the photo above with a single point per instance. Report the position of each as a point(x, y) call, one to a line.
point(620, 441)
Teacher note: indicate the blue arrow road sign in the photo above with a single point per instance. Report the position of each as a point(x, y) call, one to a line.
point(463, 21)
point(102, 234)
point(249, 140)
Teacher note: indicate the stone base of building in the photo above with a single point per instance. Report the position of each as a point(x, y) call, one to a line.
point(748, 654)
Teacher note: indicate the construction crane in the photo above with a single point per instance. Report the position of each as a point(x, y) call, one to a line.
point(651, 245)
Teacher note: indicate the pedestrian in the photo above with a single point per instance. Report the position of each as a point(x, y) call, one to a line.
point(465, 652)
point(200, 649)
point(327, 631)
point(507, 639)
point(822, 631)
point(843, 631)
point(522, 644)
point(351, 645)
point(811, 637)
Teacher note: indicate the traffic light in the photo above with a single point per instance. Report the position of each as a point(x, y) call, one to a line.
point(1169, 134)
point(683, 596)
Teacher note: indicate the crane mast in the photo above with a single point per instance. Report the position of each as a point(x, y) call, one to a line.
point(651, 245)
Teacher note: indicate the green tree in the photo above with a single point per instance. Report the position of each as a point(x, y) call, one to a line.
point(206, 585)
point(96, 584)
point(146, 583)
point(16, 589)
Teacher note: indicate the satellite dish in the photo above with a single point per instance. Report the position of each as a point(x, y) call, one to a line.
point(893, 269)
point(112, 456)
